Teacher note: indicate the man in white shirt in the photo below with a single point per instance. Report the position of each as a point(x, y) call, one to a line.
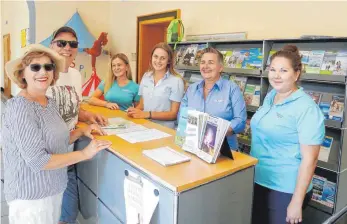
point(67, 92)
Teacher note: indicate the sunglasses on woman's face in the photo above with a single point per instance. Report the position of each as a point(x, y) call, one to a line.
point(63, 43)
point(37, 67)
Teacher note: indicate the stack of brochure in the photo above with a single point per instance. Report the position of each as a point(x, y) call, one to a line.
point(166, 156)
point(204, 135)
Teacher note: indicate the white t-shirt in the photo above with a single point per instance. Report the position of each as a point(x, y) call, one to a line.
point(67, 93)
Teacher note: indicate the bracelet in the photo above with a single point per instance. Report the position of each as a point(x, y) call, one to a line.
point(150, 114)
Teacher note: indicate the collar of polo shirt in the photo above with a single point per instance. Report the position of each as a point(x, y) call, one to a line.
point(294, 96)
point(219, 84)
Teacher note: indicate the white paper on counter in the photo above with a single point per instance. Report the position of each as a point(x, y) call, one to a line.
point(140, 199)
point(119, 125)
point(130, 128)
point(142, 136)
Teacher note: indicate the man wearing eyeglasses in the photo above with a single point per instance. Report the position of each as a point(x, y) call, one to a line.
point(67, 93)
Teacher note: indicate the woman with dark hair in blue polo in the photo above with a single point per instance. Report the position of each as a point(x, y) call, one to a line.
point(287, 132)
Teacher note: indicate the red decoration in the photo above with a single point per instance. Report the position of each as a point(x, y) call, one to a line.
point(92, 83)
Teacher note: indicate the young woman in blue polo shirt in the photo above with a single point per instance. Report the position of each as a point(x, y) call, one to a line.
point(119, 91)
point(287, 132)
point(161, 89)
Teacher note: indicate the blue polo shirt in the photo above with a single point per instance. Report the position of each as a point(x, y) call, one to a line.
point(124, 96)
point(225, 100)
point(277, 132)
point(158, 97)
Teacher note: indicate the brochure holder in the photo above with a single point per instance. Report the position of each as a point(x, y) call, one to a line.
point(225, 149)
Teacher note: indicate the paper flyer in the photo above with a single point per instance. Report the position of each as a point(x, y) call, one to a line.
point(141, 199)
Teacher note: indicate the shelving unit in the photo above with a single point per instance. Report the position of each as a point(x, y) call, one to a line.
point(335, 169)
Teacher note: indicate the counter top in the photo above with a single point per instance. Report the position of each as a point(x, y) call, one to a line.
point(180, 177)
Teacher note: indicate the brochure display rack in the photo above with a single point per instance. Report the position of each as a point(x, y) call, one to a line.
point(324, 78)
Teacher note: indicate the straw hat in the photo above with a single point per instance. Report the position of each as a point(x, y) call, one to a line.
point(11, 66)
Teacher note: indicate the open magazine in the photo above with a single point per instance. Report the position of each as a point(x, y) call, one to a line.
point(204, 135)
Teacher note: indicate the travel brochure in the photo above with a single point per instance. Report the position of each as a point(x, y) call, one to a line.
point(201, 134)
point(325, 62)
point(321, 62)
point(323, 191)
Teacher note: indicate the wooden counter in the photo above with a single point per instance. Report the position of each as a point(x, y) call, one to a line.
point(178, 177)
point(194, 192)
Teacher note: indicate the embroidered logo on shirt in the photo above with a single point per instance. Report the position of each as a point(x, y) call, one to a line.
point(219, 101)
point(167, 89)
point(279, 115)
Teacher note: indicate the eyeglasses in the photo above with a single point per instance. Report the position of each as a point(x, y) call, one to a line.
point(63, 43)
point(37, 67)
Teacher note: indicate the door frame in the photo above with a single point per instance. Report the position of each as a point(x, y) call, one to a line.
point(7, 88)
point(151, 19)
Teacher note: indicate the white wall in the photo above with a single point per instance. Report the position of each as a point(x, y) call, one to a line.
point(259, 19)
point(14, 18)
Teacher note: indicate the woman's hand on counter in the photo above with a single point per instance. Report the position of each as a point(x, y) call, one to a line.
point(58, 161)
point(92, 128)
point(137, 113)
point(89, 117)
point(112, 106)
point(98, 119)
point(94, 147)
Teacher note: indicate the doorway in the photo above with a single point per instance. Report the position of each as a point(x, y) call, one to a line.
point(151, 29)
point(7, 57)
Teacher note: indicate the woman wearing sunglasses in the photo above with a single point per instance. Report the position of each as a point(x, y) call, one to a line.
point(36, 140)
point(119, 91)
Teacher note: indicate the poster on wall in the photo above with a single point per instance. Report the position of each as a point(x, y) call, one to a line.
point(24, 37)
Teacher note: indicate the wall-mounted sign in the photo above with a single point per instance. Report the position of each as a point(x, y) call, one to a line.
point(217, 37)
point(24, 37)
